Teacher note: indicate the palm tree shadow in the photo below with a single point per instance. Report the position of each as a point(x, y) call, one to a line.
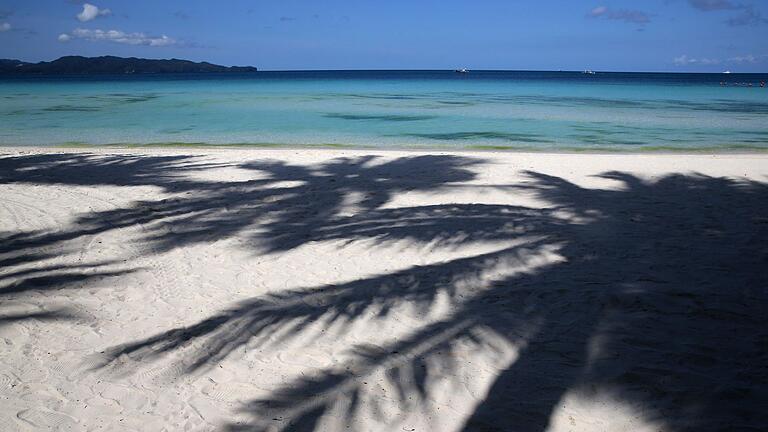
point(655, 279)
point(289, 204)
point(656, 287)
point(673, 273)
point(199, 210)
point(651, 293)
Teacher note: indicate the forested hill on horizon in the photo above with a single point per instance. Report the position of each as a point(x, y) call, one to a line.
point(70, 65)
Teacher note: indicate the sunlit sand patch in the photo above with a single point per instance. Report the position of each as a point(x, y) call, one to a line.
point(227, 174)
point(601, 412)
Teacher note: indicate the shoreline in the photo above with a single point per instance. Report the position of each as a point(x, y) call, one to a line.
point(480, 149)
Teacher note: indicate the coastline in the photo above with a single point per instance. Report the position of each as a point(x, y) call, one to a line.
point(479, 148)
point(224, 288)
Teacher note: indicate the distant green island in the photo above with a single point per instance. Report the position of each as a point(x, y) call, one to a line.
point(78, 65)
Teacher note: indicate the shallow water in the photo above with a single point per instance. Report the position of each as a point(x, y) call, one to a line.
point(526, 110)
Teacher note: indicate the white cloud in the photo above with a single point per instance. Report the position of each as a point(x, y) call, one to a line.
point(598, 11)
point(118, 36)
point(4, 27)
point(749, 58)
point(626, 15)
point(749, 16)
point(91, 12)
point(684, 60)
point(712, 5)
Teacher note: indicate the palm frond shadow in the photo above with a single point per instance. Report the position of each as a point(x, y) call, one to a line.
point(84, 169)
point(635, 291)
point(653, 275)
point(29, 274)
point(59, 314)
point(282, 316)
point(30, 268)
point(198, 210)
point(289, 204)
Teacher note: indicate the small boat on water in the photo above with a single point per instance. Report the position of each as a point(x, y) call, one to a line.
point(588, 72)
point(462, 70)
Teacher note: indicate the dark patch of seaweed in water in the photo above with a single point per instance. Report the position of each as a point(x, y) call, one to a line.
point(599, 139)
point(71, 108)
point(462, 136)
point(381, 117)
point(173, 131)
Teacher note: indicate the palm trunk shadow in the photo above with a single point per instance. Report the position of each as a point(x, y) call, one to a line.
point(524, 396)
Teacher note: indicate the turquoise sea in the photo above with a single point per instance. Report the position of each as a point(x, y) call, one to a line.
point(393, 109)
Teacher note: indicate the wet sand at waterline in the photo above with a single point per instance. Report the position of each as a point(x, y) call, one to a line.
point(300, 289)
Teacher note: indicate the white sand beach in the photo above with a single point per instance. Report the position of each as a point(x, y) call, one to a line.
point(330, 290)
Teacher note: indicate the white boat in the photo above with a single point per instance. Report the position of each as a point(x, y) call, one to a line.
point(589, 72)
point(462, 70)
point(727, 71)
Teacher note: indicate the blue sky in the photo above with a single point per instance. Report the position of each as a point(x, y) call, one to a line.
point(649, 35)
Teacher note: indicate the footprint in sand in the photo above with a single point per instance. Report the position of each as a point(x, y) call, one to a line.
point(162, 376)
point(46, 419)
point(126, 397)
point(231, 392)
point(7, 385)
point(32, 372)
point(88, 363)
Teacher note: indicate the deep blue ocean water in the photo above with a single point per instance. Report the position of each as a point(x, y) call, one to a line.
point(393, 109)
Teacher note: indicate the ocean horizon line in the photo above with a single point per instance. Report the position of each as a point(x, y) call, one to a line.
point(469, 70)
point(407, 147)
point(509, 70)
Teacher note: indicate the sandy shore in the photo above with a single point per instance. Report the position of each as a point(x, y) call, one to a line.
point(259, 289)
